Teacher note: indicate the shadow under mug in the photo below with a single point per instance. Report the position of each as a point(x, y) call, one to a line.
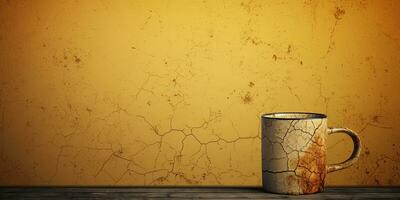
point(294, 152)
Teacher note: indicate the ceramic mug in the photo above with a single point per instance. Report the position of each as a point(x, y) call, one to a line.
point(294, 152)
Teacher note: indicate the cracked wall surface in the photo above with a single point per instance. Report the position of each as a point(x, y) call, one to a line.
point(171, 92)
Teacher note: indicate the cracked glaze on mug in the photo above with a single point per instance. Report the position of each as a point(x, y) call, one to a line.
point(294, 154)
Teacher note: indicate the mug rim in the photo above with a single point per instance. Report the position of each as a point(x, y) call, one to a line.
point(312, 116)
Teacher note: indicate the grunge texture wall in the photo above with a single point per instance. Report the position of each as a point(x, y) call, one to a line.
point(171, 92)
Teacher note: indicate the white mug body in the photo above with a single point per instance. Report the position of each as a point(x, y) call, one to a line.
point(294, 152)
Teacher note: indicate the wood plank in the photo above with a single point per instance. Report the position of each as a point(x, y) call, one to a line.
point(187, 192)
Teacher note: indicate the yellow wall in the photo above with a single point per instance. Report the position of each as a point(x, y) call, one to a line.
point(170, 92)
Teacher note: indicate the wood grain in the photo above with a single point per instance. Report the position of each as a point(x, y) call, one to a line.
point(188, 193)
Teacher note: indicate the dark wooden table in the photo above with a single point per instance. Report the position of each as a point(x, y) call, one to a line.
point(187, 193)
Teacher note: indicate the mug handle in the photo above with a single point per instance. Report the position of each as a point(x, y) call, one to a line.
point(356, 149)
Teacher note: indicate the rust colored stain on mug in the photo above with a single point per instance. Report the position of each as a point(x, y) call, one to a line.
point(312, 168)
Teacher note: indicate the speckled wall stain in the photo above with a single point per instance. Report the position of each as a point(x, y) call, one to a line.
point(171, 92)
